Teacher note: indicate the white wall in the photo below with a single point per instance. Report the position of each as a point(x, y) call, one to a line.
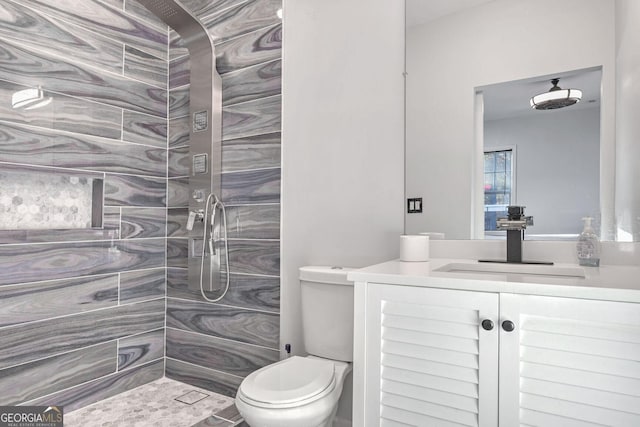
point(627, 120)
point(501, 41)
point(557, 165)
point(343, 140)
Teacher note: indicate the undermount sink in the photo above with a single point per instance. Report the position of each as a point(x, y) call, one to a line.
point(504, 268)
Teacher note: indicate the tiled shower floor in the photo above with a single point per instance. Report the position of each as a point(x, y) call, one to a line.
point(155, 405)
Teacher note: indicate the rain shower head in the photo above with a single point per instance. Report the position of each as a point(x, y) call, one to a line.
point(175, 15)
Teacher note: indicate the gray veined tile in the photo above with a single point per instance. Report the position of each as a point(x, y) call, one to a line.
point(250, 187)
point(235, 324)
point(251, 49)
point(118, 4)
point(124, 190)
point(254, 257)
point(253, 152)
point(248, 84)
point(42, 300)
point(178, 192)
point(179, 72)
point(230, 413)
point(214, 421)
point(254, 292)
point(251, 118)
point(241, 19)
point(28, 26)
point(136, 286)
point(223, 355)
point(215, 381)
point(53, 235)
point(177, 222)
point(36, 379)
point(144, 129)
point(108, 21)
point(140, 222)
point(177, 252)
point(44, 147)
point(49, 261)
point(177, 47)
point(199, 8)
point(179, 102)
point(111, 221)
point(102, 388)
point(63, 113)
point(254, 221)
point(28, 67)
point(135, 8)
point(143, 66)
point(179, 131)
point(179, 162)
point(140, 349)
point(37, 340)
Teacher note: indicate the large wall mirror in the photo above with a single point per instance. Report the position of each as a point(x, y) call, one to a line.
point(475, 145)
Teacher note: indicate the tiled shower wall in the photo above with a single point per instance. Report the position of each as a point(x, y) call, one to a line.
point(82, 311)
point(215, 345)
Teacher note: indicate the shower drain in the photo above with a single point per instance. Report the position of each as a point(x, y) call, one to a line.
point(191, 397)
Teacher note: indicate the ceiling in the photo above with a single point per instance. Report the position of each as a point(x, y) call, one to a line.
point(422, 11)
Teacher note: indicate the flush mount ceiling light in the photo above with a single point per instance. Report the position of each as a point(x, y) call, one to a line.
point(29, 99)
point(556, 97)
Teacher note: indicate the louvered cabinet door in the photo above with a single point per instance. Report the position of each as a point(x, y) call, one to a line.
point(569, 362)
point(428, 360)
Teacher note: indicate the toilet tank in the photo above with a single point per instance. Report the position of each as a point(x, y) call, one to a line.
point(327, 312)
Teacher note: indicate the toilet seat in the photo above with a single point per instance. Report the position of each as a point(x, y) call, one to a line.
point(292, 382)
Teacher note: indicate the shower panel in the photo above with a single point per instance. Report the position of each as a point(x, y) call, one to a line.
point(205, 135)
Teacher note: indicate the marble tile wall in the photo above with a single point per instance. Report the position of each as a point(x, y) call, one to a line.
point(215, 345)
point(82, 311)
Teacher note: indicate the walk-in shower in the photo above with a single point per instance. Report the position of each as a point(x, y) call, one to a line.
point(205, 93)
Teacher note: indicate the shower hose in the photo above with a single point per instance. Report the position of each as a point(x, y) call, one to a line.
point(217, 204)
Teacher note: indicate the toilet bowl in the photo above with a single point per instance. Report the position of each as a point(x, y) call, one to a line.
point(304, 391)
point(295, 392)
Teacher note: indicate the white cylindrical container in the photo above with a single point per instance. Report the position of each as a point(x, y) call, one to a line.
point(433, 235)
point(414, 248)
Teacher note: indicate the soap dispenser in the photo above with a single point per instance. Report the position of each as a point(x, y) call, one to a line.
point(588, 245)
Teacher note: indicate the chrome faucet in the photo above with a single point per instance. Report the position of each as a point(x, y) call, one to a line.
point(514, 224)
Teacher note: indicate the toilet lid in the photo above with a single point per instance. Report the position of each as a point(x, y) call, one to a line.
point(288, 381)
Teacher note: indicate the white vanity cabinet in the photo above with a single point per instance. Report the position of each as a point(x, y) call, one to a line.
point(424, 357)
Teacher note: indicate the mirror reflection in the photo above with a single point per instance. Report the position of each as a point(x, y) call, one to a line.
point(547, 159)
point(463, 58)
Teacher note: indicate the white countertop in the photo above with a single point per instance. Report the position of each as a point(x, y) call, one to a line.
point(613, 283)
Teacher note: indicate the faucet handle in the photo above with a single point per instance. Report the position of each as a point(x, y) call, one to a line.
point(529, 220)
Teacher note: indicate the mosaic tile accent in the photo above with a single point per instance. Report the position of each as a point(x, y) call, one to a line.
point(153, 404)
point(44, 200)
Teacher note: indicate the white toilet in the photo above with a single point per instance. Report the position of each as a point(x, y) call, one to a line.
point(304, 391)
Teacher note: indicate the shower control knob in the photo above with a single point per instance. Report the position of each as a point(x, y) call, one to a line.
point(508, 325)
point(487, 324)
point(198, 195)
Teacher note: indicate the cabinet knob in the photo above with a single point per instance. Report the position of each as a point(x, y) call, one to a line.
point(508, 325)
point(487, 324)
